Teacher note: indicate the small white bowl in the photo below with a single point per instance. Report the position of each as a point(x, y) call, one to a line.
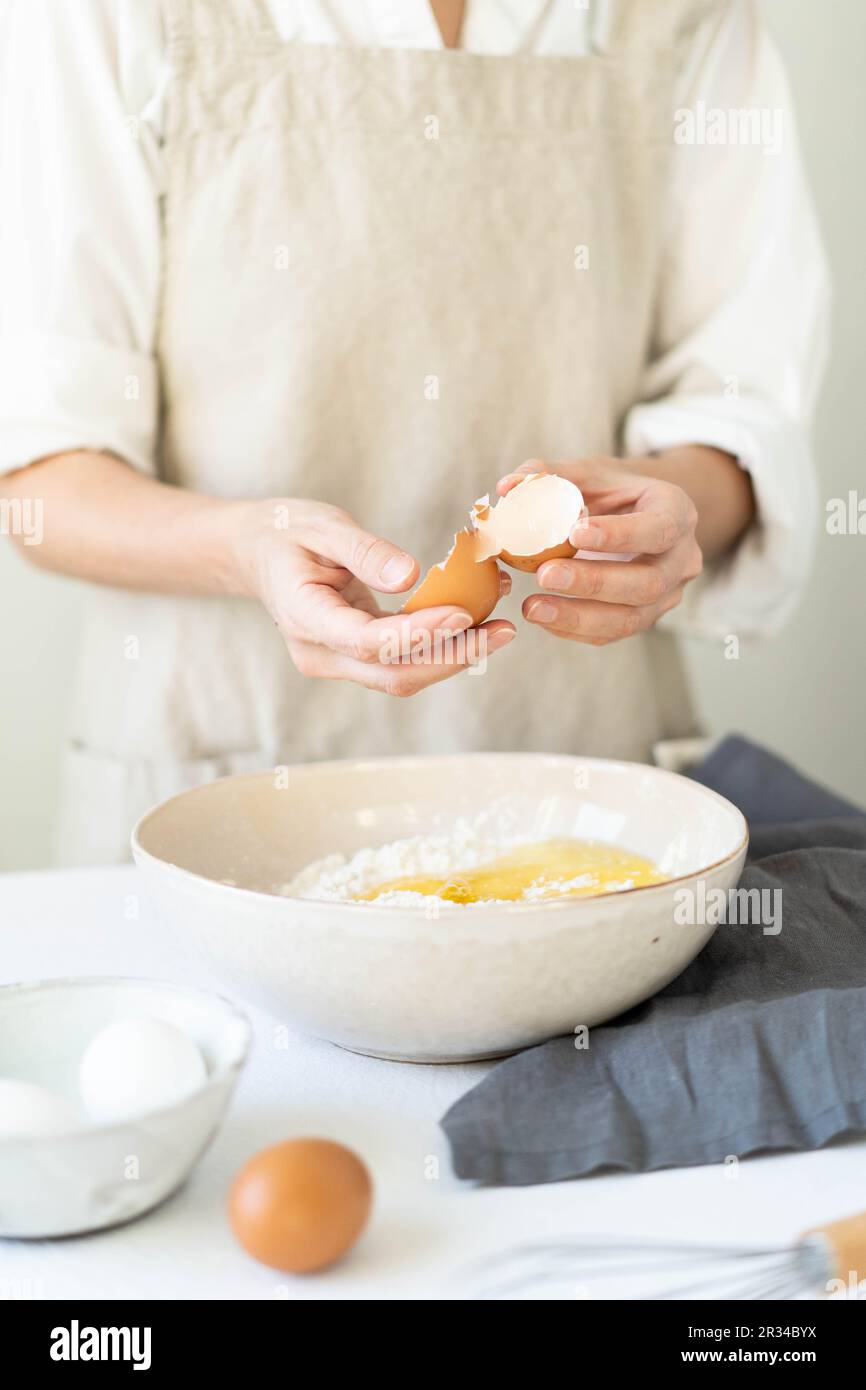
point(474, 982)
point(99, 1175)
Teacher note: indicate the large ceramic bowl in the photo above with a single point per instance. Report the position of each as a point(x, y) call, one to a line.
point(472, 982)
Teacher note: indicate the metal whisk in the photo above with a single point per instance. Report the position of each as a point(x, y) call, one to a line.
point(824, 1260)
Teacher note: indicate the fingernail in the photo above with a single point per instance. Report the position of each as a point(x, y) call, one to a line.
point(504, 583)
point(555, 577)
point(500, 639)
point(458, 622)
point(398, 568)
point(541, 612)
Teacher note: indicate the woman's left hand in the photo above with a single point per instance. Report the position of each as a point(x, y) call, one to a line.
point(652, 521)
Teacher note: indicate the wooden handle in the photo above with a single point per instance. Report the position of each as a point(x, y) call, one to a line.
point(847, 1241)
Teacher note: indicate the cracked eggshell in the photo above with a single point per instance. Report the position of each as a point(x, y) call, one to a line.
point(532, 522)
point(467, 578)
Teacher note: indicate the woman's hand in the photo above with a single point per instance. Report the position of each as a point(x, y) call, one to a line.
point(310, 564)
point(313, 568)
point(648, 521)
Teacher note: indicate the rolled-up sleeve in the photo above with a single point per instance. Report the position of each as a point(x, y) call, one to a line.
point(80, 236)
point(742, 323)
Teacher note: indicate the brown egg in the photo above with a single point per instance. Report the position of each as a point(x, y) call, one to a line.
point(463, 579)
point(300, 1205)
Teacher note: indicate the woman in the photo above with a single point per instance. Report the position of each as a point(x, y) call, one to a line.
point(286, 286)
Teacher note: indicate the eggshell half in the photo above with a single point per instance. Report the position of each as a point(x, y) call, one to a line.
point(530, 563)
point(532, 522)
point(464, 579)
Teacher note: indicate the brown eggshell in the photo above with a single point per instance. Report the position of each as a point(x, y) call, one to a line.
point(542, 507)
point(300, 1205)
point(461, 581)
point(530, 563)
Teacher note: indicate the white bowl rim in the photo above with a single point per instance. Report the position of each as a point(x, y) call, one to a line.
point(324, 906)
point(217, 1077)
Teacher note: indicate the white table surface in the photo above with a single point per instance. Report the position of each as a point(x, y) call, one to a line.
point(425, 1228)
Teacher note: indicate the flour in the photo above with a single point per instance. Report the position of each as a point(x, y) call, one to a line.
point(338, 879)
point(469, 846)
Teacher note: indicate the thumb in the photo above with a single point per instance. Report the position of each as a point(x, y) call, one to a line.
point(374, 561)
point(517, 475)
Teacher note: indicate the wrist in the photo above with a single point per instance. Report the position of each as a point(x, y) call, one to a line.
point(719, 487)
point(225, 538)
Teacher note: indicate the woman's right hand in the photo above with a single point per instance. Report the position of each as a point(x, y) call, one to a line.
point(314, 568)
point(310, 564)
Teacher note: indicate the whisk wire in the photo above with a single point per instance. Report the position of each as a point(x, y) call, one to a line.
point(751, 1273)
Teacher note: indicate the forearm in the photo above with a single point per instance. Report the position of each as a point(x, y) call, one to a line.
point(104, 522)
point(720, 489)
point(310, 565)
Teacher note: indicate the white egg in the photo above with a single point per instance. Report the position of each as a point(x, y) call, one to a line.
point(136, 1065)
point(28, 1111)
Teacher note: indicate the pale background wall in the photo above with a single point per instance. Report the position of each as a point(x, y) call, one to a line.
point(803, 695)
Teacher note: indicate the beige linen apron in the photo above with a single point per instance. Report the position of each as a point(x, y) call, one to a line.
point(375, 295)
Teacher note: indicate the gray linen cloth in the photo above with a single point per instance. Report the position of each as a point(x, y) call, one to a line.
point(760, 1044)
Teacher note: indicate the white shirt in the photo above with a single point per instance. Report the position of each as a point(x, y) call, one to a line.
point(743, 298)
